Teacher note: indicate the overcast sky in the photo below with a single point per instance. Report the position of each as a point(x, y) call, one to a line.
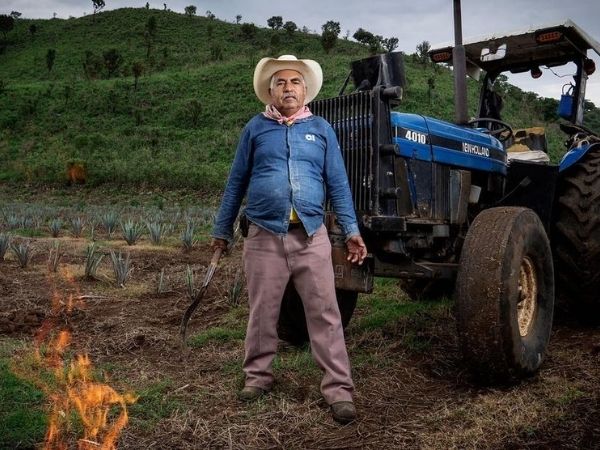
point(410, 21)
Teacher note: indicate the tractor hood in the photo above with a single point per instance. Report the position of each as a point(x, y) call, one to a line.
point(428, 139)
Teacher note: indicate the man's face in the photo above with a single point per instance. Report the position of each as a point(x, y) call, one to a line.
point(288, 92)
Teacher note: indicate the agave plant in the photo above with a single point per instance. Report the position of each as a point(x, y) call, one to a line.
point(54, 257)
point(161, 282)
point(77, 225)
point(190, 284)
point(27, 222)
point(13, 222)
point(92, 261)
point(187, 237)
point(55, 227)
point(235, 291)
point(156, 230)
point(4, 244)
point(23, 252)
point(121, 267)
point(109, 221)
point(132, 231)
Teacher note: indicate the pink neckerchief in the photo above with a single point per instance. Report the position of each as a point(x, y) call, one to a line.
point(272, 113)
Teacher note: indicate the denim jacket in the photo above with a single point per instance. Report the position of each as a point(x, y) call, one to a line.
point(279, 166)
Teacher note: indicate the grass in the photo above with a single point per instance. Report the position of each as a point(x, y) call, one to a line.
point(154, 404)
point(218, 334)
point(22, 417)
point(387, 305)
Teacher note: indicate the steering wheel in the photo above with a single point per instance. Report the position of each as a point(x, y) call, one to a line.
point(497, 133)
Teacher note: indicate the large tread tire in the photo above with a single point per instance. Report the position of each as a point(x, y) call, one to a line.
point(576, 238)
point(505, 295)
point(292, 321)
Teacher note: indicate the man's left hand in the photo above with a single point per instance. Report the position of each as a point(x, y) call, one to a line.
point(357, 250)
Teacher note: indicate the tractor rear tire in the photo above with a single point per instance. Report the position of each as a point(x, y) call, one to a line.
point(505, 295)
point(292, 321)
point(576, 238)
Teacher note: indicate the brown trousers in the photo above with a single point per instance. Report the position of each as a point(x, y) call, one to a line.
point(270, 261)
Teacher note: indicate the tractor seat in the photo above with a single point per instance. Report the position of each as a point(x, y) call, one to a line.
point(529, 144)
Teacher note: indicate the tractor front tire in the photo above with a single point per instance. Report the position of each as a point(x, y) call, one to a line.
point(292, 321)
point(505, 295)
point(576, 238)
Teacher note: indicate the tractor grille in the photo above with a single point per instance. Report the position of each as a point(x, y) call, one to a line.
point(352, 120)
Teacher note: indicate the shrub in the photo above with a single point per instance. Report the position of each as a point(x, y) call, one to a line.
point(54, 257)
point(216, 52)
point(290, 27)
point(155, 231)
point(331, 30)
point(131, 231)
point(121, 267)
point(4, 244)
point(275, 22)
point(50, 57)
point(55, 227)
point(109, 222)
point(77, 225)
point(112, 61)
point(248, 30)
point(187, 237)
point(92, 261)
point(190, 11)
point(23, 252)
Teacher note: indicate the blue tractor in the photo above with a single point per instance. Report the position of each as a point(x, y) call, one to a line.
point(472, 208)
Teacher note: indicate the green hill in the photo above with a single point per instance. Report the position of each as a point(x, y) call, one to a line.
point(180, 125)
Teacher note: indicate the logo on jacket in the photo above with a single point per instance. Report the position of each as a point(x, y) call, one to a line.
point(310, 137)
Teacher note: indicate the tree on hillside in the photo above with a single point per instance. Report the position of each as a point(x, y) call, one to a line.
point(390, 44)
point(423, 51)
point(190, 11)
point(238, 19)
point(248, 31)
point(98, 5)
point(15, 14)
point(32, 29)
point(210, 15)
point(374, 42)
point(137, 68)
point(331, 30)
point(275, 42)
point(50, 57)
point(290, 27)
point(275, 22)
point(112, 61)
point(92, 65)
point(150, 34)
point(7, 23)
point(363, 36)
point(147, 5)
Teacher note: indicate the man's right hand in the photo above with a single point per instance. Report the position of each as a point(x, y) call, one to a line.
point(219, 243)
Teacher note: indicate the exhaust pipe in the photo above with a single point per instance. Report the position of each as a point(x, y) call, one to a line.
point(459, 62)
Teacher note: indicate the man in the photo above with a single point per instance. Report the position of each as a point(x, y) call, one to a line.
point(287, 162)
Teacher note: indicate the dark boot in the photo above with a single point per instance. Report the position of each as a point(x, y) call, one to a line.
point(343, 412)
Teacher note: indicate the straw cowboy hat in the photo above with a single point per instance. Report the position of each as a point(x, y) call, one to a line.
point(267, 67)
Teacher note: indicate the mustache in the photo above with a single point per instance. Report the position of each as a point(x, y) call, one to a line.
point(289, 95)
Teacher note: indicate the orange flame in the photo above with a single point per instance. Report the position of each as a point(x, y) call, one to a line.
point(74, 388)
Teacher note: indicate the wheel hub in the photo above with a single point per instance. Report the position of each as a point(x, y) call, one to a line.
point(528, 291)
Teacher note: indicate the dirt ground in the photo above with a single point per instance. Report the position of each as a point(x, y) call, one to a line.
point(411, 388)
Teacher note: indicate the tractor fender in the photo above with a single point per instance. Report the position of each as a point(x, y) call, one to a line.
point(577, 153)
